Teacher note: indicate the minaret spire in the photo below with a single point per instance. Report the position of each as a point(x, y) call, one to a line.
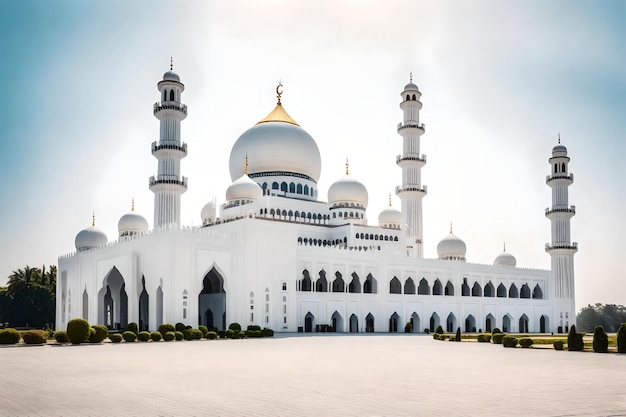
point(347, 166)
point(93, 218)
point(171, 63)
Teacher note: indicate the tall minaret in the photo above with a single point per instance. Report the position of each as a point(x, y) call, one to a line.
point(411, 161)
point(561, 249)
point(168, 185)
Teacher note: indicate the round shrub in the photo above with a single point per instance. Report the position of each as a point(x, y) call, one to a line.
point(235, 327)
point(61, 337)
point(427, 330)
point(164, 328)
point(197, 333)
point(9, 337)
point(156, 336)
point(436, 336)
point(179, 336)
point(496, 330)
point(180, 327)
point(558, 345)
point(621, 339)
point(169, 336)
point(211, 335)
point(229, 334)
point(439, 330)
point(267, 332)
point(115, 337)
point(575, 340)
point(78, 331)
point(497, 338)
point(99, 333)
point(236, 335)
point(132, 327)
point(204, 330)
point(600, 340)
point(526, 342)
point(35, 337)
point(253, 327)
point(188, 334)
point(144, 336)
point(129, 336)
point(484, 337)
point(509, 341)
point(254, 333)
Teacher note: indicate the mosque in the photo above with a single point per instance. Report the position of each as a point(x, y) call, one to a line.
point(279, 256)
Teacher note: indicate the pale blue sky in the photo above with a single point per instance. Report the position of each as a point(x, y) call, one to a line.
point(499, 81)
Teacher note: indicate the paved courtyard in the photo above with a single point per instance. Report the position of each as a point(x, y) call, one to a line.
point(355, 375)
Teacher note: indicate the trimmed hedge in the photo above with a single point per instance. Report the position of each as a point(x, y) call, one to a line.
point(9, 337)
point(496, 330)
point(235, 327)
point(204, 330)
point(457, 336)
point(78, 331)
point(213, 335)
point(169, 336)
point(254, 334)
point(144, 336)
point(164, 328)
point(61, 337)
point(35, 337)
point(600, 340)
point(132, 327)
point(129, 336)
point(509, 341)
point(439, 329)
point(621, 339)
point(180, 327)
point(575, 340)
point(267, 332)
point(99, 333)
point(253, 327)
point(526, 342)
point(156, 336)
point(497, 338)
point(484, 337)
point(179, 335)
point(558, 345)
point(115, 337)
point(426, 330)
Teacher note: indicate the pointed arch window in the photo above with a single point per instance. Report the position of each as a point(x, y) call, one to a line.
point(172, 97)
point(423, 288)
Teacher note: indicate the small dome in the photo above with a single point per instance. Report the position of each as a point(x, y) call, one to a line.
point(559, 150)
point(348, 189)
point(132, 224)
point(390, 217)
point(411, 87)
point(452, 247)
point(90, 238)
point(171, 76)
point(244, 189)
point(208, 213)
point(505, 259)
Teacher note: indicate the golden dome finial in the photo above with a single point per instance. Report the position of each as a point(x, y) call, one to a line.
point(171, 63)
point(245, 169)
point(347, 167)
point(279, 91)
point(389, 199)
point(132, 204)
point(504, 247)
point(93, 218)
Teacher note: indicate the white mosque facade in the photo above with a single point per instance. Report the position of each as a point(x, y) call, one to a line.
point(280, 257)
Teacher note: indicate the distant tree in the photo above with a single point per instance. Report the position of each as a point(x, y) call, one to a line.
point(29, 298)
point(609, 316)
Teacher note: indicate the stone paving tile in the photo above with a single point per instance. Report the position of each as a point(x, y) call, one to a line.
point(351, 375)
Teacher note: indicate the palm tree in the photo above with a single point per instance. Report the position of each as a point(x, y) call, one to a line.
point(21, 281)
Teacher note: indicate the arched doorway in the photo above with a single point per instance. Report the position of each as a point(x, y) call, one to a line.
point(212, 298)
point(113, 301)
point(490, 323)
point(369, 323)
point(393, 322)
point(208, 319)
point(143, 307)
point(354, 324)
point(451, 323)
point(523, 324)
point(337, 322)
point(434, 322)
point(415, 323)
point(544, 324)
point(85, 305)
point(309, 321)
point(506, 324)
point(470, 324)
point(159, 307)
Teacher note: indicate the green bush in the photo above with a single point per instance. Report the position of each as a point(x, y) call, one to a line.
point(132, 327)
point(497, 338)
point(212, 335)
point(558, 345)
point(156, 336)
point(129, 336)
point(228, 334)
point(436, 336)
point(526, 342)
point(253, 327)
point(235, 327)
point(169, 336)
point(99, 333)
point(187, 335)
point(484, 337)
point(254, 334)
point(457, 336)
point(179, 336)
point(115, 337)
point(267, 332)
point(575, 340)
point(221, 334)
point(496, 330)
point(78, 331)
point(9, 337)
point(35, 337)
point(427, 330)
point(408, 327)
point(144, 336)
point(236, 335)
point(439, 329)
point(164, 328)
point(204, 330)
point(600, 340)
point(180, 327)
point(509, 341)
point(61, 337)
point(621, 339)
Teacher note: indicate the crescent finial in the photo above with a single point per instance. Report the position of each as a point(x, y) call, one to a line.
point(279, 91)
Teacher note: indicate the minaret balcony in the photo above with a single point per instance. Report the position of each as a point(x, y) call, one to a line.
point(560, 176)
point(418, 127)
point(562, 246)
point(169, 148)
point(411, 157)
point(412, 189)
point(167, 180)
point(169, 105)
point(571, 210)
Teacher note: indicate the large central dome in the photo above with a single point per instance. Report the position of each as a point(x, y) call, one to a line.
point(276, 145)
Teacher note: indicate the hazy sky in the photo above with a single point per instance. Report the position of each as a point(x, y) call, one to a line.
point(499, 81)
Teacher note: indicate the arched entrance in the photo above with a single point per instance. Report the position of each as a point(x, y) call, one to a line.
point(309, 321)
point(416, 325)
point(506, 324)
point(159, 307)
point(523, 324)
point(113, 301)
point(434, 322)
point(490, 323)
point(393, 322)
point(212, 299)
point(451, 323)
point(369, 323)
point(143, 307)
point(544, 324)
point(337, 322)
point(470, 324)
point(354, 324)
